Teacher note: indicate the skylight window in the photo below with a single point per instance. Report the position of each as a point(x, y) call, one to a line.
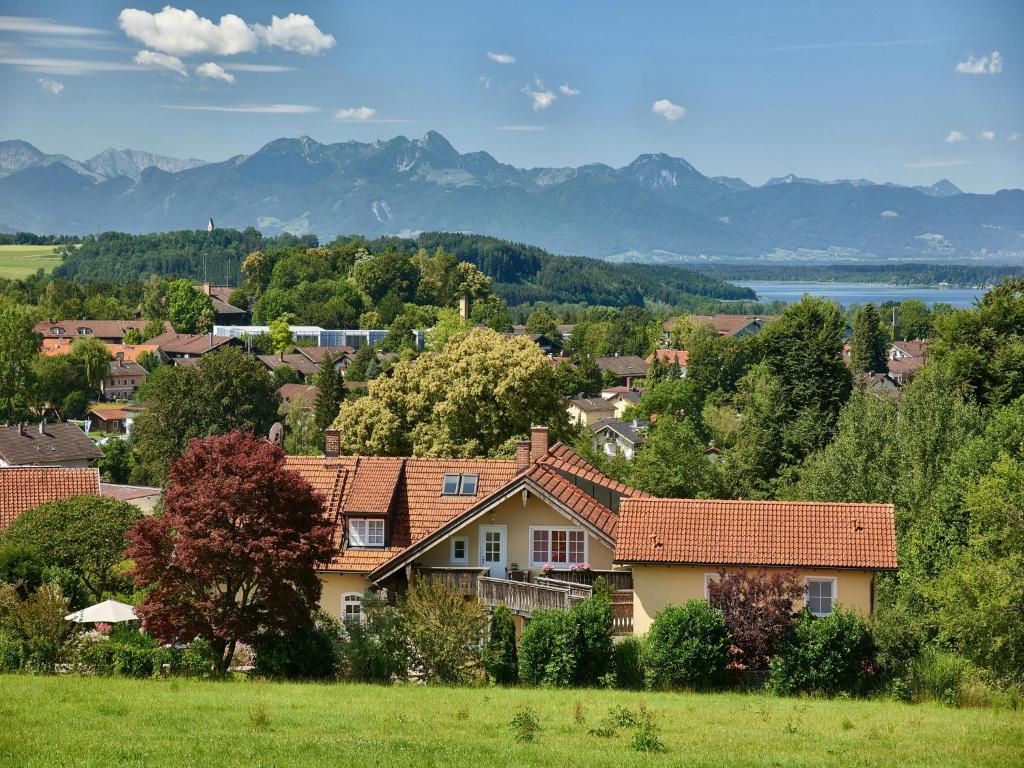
point(451, 485)
point(459, 485)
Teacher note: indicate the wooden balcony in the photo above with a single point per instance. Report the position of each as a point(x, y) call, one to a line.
point(522, 598)
point(622, 612)
point(576, 592)
point(620, 579)
point(462, 580)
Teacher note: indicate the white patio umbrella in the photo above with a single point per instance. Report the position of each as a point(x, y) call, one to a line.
point(108, 612)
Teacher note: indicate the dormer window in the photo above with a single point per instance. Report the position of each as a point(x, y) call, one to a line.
point(83, 331)
point(57, 330)
point(459, 485)
point(366, 532)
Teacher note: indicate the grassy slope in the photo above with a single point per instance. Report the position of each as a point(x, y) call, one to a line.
point(47, 721)
point(17, 261)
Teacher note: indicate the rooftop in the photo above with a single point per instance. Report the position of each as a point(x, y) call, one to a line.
point(623, 365)
point(23, 488)
point(45, 444)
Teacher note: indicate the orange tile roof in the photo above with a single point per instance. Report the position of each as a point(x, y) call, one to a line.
point(373, 487)
point(761, 533)
point(573, 497)
point(670, 356)
point(564, 459)
point(23, 488)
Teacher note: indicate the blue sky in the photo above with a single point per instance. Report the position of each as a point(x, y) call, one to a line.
point(907, 92)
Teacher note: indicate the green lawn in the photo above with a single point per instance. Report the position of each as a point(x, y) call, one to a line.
point(73, 721)
point(23, 260)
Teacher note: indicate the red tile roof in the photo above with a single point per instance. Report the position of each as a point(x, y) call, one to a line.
point(574, 498)
point(670, 356)
point(761, 533)
point(23, 488)
point(373, 487)
point(128, 492)
point(100, 329)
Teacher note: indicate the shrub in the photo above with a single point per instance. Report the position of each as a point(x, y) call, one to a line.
point(10, 654)
point(525, 725)
point(758, 610)
point(545, 655)
point(308, 652)
point(37, 624)
point(196, 659)
point(500, 656)
point(590, 640)
point(21, 566)
point(135, 661)
point(375, 650)
point(829, 655)
point(687, 647)
point(629, 663)
point(444, 631)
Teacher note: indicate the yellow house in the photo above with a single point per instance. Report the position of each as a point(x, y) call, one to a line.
point(522, 531)
point(675, 547)
point(588, 410)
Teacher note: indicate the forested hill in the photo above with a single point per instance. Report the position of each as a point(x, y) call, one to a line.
point(521, 273)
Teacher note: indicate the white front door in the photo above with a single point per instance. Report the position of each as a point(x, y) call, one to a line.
point(494, 549)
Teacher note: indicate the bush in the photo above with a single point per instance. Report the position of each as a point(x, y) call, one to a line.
point(10, 654)
point(590, 637)
point(629, 663)
point(376, 650)
point(37, 624)
point(525, 726)
point(501, 659)
point(444, 631)
point(829, 655)
point(310, 652)
point(21, 566)
point(545, 654)
point(196, 659)
point(687, 647)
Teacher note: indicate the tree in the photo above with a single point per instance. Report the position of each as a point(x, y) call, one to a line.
point(55, 378)
point(132, 336)
point(500, 657)
point(672, 462)
point(389, 270)
point(332, 391)
point(284, 374)
point(444, 632)
point(93, 357)
point(149, 360)
point(280, 333)
point(470, 399)
point(118, 461)
point(18, 345)
point(361, 361)
point(578, 376)
point(868, 346)
point(543, 322)
point(758, 610)
point(84, 534)
point(234, 553)
point(913, 320)
point(189, 309)
point(302, 437)
point(376, 649)
point(226, 390)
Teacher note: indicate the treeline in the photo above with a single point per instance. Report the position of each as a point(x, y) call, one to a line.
point(28, 238)
point(522, 274)
point(890, 274)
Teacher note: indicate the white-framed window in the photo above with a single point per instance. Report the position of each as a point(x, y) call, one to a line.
point(366, 532)
point(352, 607)
point(460, 551)
point(557, 545)
point(820, 595)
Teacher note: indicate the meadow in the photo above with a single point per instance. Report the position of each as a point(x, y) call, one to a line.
point(81, 721)
point(19, 261)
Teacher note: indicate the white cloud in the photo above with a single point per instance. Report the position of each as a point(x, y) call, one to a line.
point(987, 135)
point(355, 114)
point(154, 60)
point(542, 97)
point(186, 33)
point(1015, 136)
point(668, 110)
point(501, 58)
point(983, 65)
point(214, 72)
point(937, 163)
point(296, 32)
point(43, 26)
point(521, 128)
point(955, 136)
point(73, 67)
point(485, 81)
point(256, 68)
point(568, 90)
point(51, 86)
point(265, 109)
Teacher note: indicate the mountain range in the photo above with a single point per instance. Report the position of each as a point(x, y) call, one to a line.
point(657, 208)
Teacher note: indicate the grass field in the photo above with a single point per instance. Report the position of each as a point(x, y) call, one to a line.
point(76, 721)
point(18, 261)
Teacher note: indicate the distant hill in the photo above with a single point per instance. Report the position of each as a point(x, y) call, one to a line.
point(657, 208)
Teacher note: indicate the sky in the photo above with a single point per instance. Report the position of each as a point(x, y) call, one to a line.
point(909, 91)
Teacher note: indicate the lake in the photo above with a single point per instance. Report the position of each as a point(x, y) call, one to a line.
point(860, 293)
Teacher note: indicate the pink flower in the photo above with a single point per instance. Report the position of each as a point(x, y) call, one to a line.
point(102, 628)
point(548, 568)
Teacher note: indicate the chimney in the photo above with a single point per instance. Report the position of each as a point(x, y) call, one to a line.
point(332, 443)
point(522, 454)
point(464, 307)
point(21, 428)
point(538, 443)
point(42, 426)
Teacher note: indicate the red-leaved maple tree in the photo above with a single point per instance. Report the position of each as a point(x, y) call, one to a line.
point(758, 609)
point(235, 549)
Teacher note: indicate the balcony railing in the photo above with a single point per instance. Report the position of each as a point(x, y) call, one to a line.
point(622, 612)
point(521, 598)
point(614, 579)
point(462, 581)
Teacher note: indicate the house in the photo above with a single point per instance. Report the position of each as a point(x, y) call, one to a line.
point(61, 346)
point(317, 336)
point(224, 313)
point(626, 368)
point(46, 445)
point(878, 384)
point(185, 346)
point(619, 438)
point(298, 395)
point(491, 527)
point(300, 363)
point(550, 347)
point(621, 399)
point(105, 330)
point(112, 421)
point(142, 496)
point(25, 488)
point(342, 356)
point(123, 380)
point(670, 357)
point(905, 358)
point(724, 325)
point(587, 410)
point(674, 547)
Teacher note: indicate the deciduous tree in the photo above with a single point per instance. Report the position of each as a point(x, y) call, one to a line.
point(189, 309)
point(18, 345)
